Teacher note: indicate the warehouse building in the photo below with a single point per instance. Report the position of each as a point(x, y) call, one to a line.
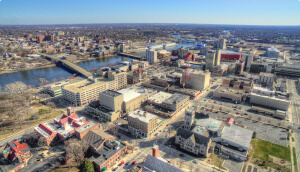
point(234, 95)
point(269, 98)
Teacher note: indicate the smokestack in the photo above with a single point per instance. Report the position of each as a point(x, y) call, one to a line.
point(155, 151)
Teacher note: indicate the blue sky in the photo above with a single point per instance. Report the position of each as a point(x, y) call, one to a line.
point(246, 12)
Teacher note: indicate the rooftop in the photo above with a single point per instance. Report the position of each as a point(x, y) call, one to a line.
point(140, 115)
point(94, 138)
point(230, 91)
point(210, 123)
point(160, 97)
point(237, 135)
point(129, 94)
point(83, 86)
point(175, 98)
point(111, 93)
point(107, 151)
point(154, 164)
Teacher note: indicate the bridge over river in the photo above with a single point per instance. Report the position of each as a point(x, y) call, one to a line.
point(68, 65)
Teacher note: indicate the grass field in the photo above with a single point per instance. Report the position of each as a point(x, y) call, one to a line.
point(262, 150)
point(295, 158)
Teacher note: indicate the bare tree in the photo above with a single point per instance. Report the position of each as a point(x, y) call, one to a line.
point(51, 105)
point(54, 80)
point(19, 116)
point(42, 81)
point(75, 151)
point(42, 141)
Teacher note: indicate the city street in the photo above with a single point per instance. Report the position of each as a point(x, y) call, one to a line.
point(295, 116)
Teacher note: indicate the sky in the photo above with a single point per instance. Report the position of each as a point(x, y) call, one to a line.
point(236, 12)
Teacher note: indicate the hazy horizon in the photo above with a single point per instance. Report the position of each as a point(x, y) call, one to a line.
point(218, 12)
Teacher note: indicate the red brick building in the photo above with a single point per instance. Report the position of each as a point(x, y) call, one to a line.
point(107, 150)
point(17, 153)
point(65, 127)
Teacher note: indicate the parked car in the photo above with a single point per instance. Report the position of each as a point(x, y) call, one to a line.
point(133, 162)
point(121, 163)
point(115, 169)
point(181, 155)
point(238, 113)
point(195, 162)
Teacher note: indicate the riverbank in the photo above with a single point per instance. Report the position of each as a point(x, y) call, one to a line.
point(32, 68)
point(52, 65)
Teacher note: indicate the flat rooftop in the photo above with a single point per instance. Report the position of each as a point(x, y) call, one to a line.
point(160, 97)
point(145, 118)
point(239, 135)
point(142, 90)
point(200, 130)
point(184, 90)
point(111, 93)
point(176, 98)
point(266, 74)
point(83, 86)
point(129, 94)
point(210, 123)
point(230, 91)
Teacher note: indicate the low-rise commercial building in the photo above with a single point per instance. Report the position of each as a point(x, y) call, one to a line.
point(106, 150)
point(235, 141)
point(142, 123)
point(266, 78)
point(238, 83)
point(234, 95)
point(269, 98)
point(220, 69)
point(173, 102)
point(186, 91)
point(287, 70)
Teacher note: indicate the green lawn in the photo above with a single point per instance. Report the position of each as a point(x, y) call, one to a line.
point(295, 159)
point(262, 150)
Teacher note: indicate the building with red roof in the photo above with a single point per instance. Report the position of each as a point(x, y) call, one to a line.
point(65, 127)
point(18, 154)
point(230, 121)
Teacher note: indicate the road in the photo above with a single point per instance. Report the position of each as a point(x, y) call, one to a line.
point(295, 116)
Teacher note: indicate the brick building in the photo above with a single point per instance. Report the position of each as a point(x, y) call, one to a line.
point(65, 127)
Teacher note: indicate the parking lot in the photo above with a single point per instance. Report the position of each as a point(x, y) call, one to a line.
point(263, 131)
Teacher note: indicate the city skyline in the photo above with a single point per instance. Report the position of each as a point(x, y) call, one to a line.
point(231, 12)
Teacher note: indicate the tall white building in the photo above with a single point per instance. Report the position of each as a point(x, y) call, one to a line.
point(151, 56)
point(223, 44)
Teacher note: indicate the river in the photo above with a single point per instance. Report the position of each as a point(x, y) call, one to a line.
point(31, 76)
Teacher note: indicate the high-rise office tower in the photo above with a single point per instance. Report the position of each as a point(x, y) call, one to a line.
point(151, 56)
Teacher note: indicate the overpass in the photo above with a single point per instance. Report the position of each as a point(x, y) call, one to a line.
point(131, 56)
point(68, 65)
